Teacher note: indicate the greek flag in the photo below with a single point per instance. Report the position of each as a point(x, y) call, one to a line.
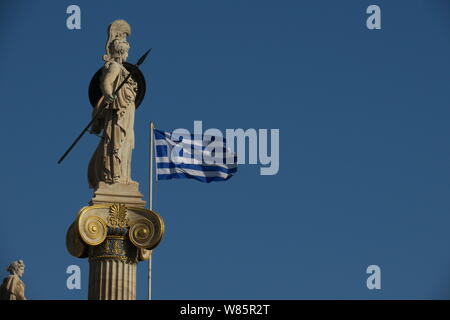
point(200, 157)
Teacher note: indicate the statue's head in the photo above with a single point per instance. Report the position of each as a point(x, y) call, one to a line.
point(17, 268)
point(118, 48)
point(117, 45)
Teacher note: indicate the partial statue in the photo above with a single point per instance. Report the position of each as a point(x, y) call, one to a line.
point(12, 287)
point(111, 162)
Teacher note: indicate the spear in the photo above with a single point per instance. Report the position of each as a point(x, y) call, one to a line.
point(140, 61)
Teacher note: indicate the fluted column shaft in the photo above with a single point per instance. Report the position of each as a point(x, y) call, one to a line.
point(112, 280)
point(112, 268)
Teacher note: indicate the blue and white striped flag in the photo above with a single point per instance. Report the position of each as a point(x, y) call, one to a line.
point(200, 157)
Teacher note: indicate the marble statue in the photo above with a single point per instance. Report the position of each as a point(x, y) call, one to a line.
point(111, 162)
point(115, 232)
point(12, 287)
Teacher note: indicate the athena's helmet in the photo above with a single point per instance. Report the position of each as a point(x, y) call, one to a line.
point(117, 45)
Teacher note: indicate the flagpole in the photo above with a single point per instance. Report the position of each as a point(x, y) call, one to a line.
point(150, 191)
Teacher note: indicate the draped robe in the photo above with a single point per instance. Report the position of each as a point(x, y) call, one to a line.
point(12, 288)
point(111, 162)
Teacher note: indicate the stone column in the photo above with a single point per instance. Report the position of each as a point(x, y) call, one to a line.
point(112, 268)
point(114, 236)
point(112, 280)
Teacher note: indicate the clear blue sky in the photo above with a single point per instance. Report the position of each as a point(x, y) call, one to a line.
point(364, 127)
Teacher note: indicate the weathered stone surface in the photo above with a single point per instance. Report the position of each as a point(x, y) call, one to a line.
point(13, 287)
point(112, 280)
point(118, 193)
point(116, 231)
point(115, 238)
point(114, 113)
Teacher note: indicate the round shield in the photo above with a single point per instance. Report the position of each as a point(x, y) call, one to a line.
point(95, 93)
